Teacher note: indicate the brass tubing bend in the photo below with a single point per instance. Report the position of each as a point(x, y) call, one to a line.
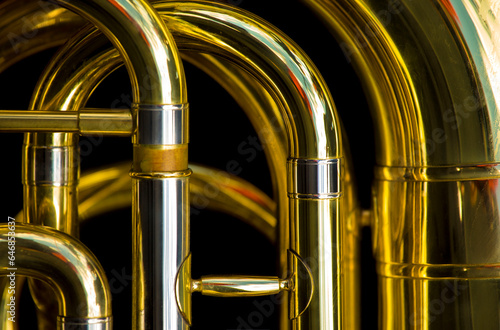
point(68, 267)
point(160, 133)
point(430, 71)
point(312, 130)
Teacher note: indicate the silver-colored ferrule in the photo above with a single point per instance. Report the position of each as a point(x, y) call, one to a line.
point(56, 166)
point(67, 323)
point(314, 178)
point(161, 124)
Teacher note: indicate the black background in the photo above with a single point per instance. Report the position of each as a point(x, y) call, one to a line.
point(219, 244)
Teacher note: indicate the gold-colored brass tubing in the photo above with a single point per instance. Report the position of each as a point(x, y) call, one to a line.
point(330, 150)
point(237, 212)
point(42, 121)
point(320, 148)
point(109, 189)
point(439, 173)
point(429, 70)
point(78, 282)
point(29, 26)
point(246, 94)
point(5, 298)
point(151, 56)
point(239, 286)
point(85, 122)
point(105, 122)
point(419, 80)
point(327, 265)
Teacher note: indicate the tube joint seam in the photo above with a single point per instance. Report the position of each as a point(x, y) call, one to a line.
point(314, 178)
point(104, 323)
point(487, 171)
point(161, 124)
point(51, 165)
point(438, 271)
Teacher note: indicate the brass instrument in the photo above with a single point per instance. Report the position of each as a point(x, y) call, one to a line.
point(430, 73)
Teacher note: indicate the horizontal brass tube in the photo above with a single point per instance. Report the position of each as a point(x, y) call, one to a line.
point(227, 193)
point(239, 286)
point(326, 145)
point(308, 146)
point(85, 122)
point(109, 189)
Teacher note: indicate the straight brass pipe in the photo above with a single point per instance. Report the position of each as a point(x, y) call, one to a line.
point(430, 73)
point(239, 286)
point(85, 122)
point(300, 143)
point(152, 56)
point(84, 90)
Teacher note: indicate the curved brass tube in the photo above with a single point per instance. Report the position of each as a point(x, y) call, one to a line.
point(51, 160)
point(329, 149)
point(313, 111)
point(320, 102)
point(430, 71)
point(56, 88)
point(69, 268)
point(28, 27)
point(109, 189)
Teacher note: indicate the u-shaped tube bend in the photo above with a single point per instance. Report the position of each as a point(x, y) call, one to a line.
point(67, 266)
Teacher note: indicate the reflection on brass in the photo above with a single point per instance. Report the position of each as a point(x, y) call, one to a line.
point(430, 72)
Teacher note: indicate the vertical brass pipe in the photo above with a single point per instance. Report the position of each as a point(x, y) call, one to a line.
point(158, 90)
point(252, 97)
point(303, 147)
point(314, 143)
point(430, 70)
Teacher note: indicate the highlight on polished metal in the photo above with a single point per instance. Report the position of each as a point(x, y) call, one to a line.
point(429, 70)
point(314, 178)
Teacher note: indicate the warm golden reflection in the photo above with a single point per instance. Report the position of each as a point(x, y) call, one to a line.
point(431, 74)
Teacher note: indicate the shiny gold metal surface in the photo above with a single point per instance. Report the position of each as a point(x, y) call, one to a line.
point(430, 72)
point(239, 286)
point(78, 282)
point(85, 122)
point(429, 69)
